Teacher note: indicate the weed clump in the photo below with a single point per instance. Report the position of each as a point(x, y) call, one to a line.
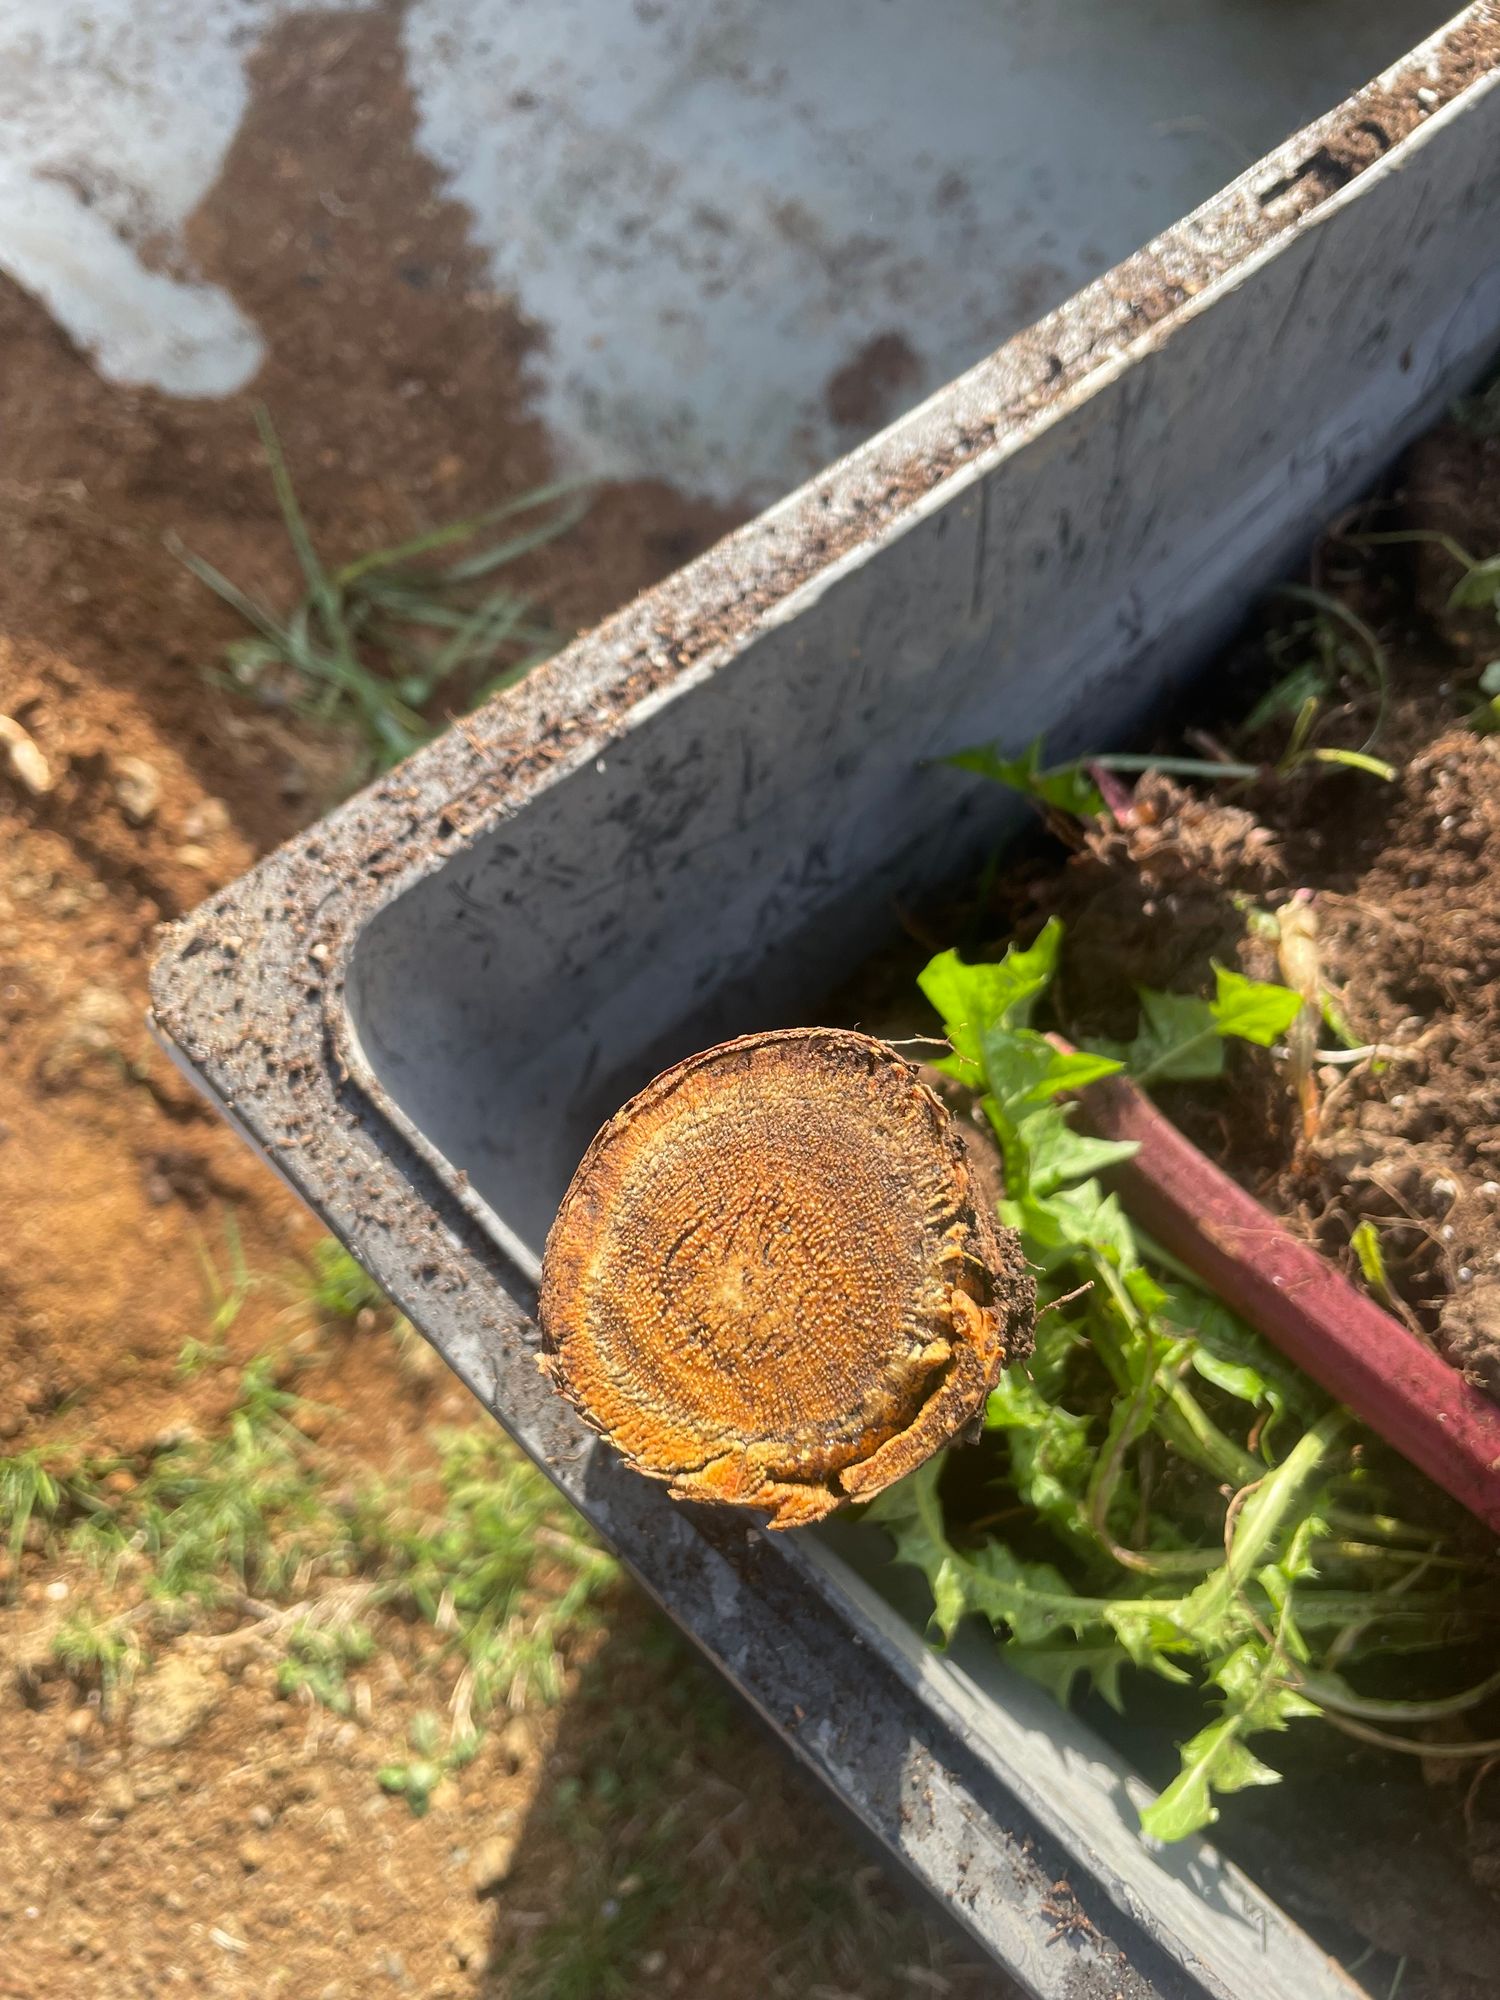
point(251, 1525)
point(371, 643)
point(1166, 1494)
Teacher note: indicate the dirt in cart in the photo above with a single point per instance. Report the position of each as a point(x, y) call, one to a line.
point(1391, 888)
point(209, 1826)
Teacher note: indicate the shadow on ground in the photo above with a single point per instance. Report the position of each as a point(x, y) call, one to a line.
point(671, 1848)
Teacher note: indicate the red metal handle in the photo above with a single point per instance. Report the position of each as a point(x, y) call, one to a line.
point(1359, 1354)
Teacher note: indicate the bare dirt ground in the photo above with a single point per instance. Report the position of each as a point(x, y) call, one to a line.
point(210, 1835)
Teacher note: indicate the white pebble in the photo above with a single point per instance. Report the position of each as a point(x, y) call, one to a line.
point(1465, 1275)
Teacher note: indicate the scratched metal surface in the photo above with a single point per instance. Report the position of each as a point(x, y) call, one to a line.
point(416, 1010)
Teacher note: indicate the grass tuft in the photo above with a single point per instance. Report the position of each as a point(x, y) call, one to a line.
point(503, 1567)
point(482, 1553)
point(97, 1650)
point(371, 643)
point(335, 1286)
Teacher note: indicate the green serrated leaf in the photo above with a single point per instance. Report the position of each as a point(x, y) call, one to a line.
point(1178, 1040)
point(1059, 1669)
point(1066, 786)
point(912, 1515)
point(1256, 1010)
point(1051, 1452)
point(1149, 1638)
point(1030, 1600)
point(1023, 1069)
point(1227, 1342)
point(1086, 1215)
point(1057, 1156)
point(1181, 1036)
point(1215, 1760)
point(973, 999)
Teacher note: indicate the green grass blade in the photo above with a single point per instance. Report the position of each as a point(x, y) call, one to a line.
point(433, 539)
point(252, 613)
point(319, 586)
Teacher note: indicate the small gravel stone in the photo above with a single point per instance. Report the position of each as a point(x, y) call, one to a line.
point(117, 1795)
point(492, 1862)
point(174, 1701)
point(204, 820)
point(137, 789)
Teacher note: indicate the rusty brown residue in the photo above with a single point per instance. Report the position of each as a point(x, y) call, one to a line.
point(872, 384)
point(771, 1284)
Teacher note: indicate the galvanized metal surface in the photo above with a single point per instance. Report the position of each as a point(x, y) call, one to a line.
point(685, 824)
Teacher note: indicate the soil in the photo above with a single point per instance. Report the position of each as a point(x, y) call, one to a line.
point(104, 636)
point(1395, 883)
point(251, 1852)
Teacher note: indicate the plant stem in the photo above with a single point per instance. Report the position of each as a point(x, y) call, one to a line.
point(1261, 1517)
point(1173, 767)
point(1328, 1691)
point(1383, 1740)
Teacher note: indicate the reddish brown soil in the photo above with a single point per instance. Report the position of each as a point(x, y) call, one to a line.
point(256, 1854)
point(399, 405)
point(394, 380)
